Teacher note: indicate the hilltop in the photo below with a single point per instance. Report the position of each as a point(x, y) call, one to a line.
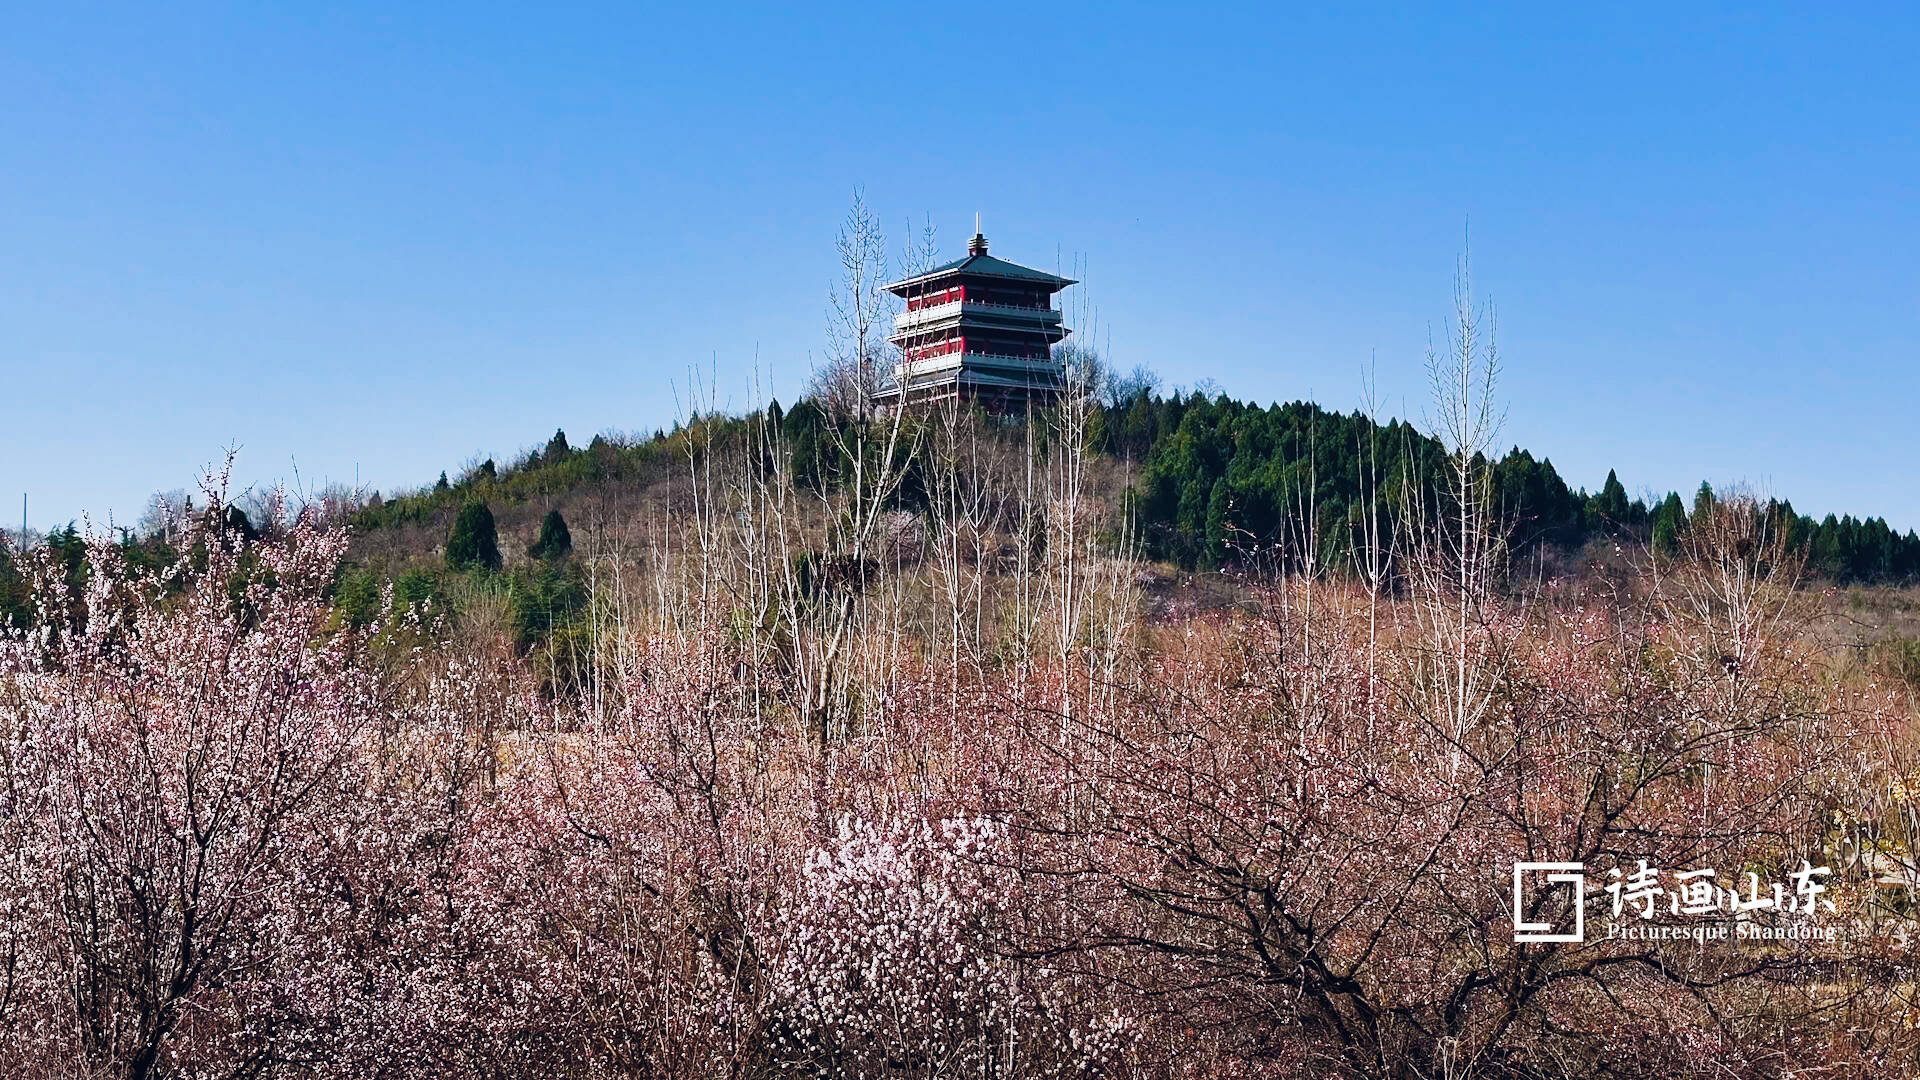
point(1191, 482)
point(1213, 481)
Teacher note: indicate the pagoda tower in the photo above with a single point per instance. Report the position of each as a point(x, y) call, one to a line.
point(979, 329)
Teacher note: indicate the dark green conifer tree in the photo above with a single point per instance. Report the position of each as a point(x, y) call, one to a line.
point(1669, 521)
point(1218, 524)
point(1611, 503)
point(474, 543)
point(555, 542)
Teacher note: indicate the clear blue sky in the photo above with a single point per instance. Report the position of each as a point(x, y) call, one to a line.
point(383, 244)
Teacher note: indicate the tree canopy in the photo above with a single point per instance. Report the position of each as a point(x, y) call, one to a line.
point(473, 543)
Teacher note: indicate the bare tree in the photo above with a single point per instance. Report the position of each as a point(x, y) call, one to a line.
point(963, 482)
point(859, 358)
point(1373, 554)
point(165, 514)
point(1459, 547)
point(1118, 391)
point(920, 251)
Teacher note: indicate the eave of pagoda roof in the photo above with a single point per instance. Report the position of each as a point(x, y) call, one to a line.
point(983, 266)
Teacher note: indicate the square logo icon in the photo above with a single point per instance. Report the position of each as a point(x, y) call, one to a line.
point(1552, 873)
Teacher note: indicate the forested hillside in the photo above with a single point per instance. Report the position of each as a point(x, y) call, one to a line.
point(1220, 477)
point(810, 749)
point(1210, 482)
point(1216, 481)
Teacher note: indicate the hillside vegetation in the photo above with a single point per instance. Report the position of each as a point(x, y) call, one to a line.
point(1208, 483)
point(1148, 737)
point(818, 783)
point(1213, 482)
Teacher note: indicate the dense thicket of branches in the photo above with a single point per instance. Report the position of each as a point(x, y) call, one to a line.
point(855, 746)
point(858, 814)
point(1214, 483)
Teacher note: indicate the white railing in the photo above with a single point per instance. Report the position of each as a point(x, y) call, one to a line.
point(1006, 358)
point(940, 311)
point(954, 360)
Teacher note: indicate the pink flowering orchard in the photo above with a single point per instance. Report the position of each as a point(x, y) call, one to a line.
point(170, 752)
point(245, 838)
point(933, 541)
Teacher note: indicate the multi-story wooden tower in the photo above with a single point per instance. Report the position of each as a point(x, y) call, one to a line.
point(979, 329)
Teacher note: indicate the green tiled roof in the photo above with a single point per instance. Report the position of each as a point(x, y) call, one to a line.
point(985, 266)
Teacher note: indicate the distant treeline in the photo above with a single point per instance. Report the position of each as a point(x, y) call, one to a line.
point(1221, 480)
point(65, 554)
point(1215, 483)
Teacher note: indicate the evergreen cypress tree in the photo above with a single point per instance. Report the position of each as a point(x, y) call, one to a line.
point(1611, 503)
point(555, 541)
point(1669, 521)
point(1218, 525)
point(442, 484)
point(474, 541)
point(557, 448)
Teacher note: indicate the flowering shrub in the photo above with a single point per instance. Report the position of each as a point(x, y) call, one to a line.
point(238, 839)
point(168, 741)
point(1304, 862)
point(893, 963)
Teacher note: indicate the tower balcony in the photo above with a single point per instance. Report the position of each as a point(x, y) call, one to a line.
point(927, 316)
point(1015, 367)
